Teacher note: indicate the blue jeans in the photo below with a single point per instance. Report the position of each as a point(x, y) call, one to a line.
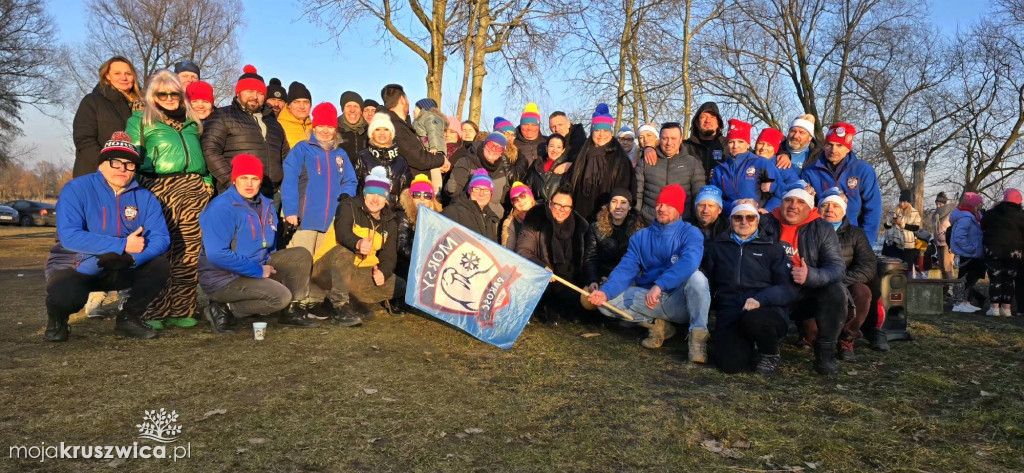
point(686, 305)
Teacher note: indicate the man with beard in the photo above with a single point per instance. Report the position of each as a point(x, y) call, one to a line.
point(799, 150)
point(573, 133)
point(277, 97)
point(247, 126)
point(352, 123)
point(409, 144)
point(706, 141)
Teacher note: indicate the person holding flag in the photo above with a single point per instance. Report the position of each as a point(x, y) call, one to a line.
point(818, 269)
point(658, 283)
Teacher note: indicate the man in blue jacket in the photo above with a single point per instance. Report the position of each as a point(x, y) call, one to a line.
point(238, 267)
point(111, 235)
point(657, 281)
point(838, 166)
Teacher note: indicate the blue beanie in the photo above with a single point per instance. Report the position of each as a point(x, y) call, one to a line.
point(712, 193)
point(497, 138)
point(426, 104)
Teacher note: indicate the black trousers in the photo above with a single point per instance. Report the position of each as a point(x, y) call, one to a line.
point(1003, 267)
point(734, 344)
point(972, 270)
point(826, 305)
point(67, 290)
point(248, 296)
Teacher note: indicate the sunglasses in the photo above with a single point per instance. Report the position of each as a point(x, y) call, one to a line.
point(747, 217)
point(560, 207)
point(422, 195)
point(521, 197)
point(118, 164)
point(168, 95)
point(627, 138)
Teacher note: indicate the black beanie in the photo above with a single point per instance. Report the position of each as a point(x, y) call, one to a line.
point(275, 90)
point(621, 192)
point(350, 96)
point(370, 103)
point(187, 66)
point(390, 95)
point(298, 91)
point(905, 196)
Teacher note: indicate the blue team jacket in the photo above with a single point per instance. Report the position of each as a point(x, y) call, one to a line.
point(91, 221)
point(858, 181)
point(666, 255)
point(238, 238)
point(314, 179)
point(737, 177)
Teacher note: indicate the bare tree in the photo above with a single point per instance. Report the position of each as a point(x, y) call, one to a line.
point(426, 37)
point(29, 65)
point(154, 34)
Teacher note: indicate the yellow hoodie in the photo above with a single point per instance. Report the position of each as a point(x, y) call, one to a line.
point(295, 130)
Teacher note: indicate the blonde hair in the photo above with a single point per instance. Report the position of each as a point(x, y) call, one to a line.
point(105, 69)
point(164, 79)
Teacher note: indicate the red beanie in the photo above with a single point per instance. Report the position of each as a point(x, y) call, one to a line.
point(1012, 196)
point(250, 80)
point(199, 90)
point(772, 137)
point(841, 134)
point(674, 195)
point(325, 114)
point(738, 130)
point(246, 165)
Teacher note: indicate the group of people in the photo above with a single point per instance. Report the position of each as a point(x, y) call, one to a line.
point(274, 206)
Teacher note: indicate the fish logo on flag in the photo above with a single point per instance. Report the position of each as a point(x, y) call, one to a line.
point(471, 282)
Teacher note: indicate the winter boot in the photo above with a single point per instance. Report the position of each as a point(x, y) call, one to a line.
point(657, 333)
point(343, 316)
point(129, 325)
point(57, 329)
point(846, 351)
point(220, 317)
point(296, 316)
point(879, 341)
point(825, 358)
point(395, 307)
point(699, 346)
point(767, 364)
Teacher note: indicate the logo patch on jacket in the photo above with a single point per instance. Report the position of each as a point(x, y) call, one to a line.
point(751, 171)
point(851, 183)
point(340, 162)
point(130, 212)
point(717, 154)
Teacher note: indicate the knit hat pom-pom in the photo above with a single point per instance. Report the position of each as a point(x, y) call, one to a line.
point(249, 69)
point(120, 136)
point(602, 109)
point(807, 117)
point(481, 172)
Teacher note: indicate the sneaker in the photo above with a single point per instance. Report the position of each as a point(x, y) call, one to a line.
point(846, 351)
point(993, 312)
point(1007, 312)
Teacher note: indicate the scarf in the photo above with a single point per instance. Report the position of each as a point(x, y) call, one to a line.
point(327, 145)
point(384, 155)
point(489, 166)
point(358, 128)
point(173, 118)
point(970, 210)
point(452, 147)
point(595, 170)
point(134, 102)
point(561, 238)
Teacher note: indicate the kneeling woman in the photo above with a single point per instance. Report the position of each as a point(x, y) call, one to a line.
point(750, 310)
point(238, 267)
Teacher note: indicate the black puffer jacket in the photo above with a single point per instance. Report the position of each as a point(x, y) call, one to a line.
point(411, 146)
point(498, 172)
point(534, 243)
point(467, 213)
point(1002, 228)
point(392, 162)
point(230, 131)
point(819, 249)
point(710, 152)
point(102, 112)
point(529, 150)
point(352, 213)
point(544, 183)
point(607, 243)
point(758, 269)
point(598, 171)
point(861, 262)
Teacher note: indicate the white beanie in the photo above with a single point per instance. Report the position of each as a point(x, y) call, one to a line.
point(646, 127)
point(381, 120)
point(802, 195)
point(834, 198)
point(745, 207)
point(805, 121)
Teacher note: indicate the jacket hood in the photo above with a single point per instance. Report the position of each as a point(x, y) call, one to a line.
point(706, 107)
point(958, 214)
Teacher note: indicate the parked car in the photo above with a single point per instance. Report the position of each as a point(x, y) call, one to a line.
point(8, 216)
point(34, 213)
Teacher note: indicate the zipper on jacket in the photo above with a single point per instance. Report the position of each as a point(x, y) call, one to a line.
point(185, 147)
point(739, 269)
point(117, 198)
point(327, 157)
point(104, 217)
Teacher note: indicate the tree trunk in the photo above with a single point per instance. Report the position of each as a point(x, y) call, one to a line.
point(479, 67)
point(687, 88)
point(918, 190)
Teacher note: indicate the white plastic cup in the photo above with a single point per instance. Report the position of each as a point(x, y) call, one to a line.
point(259, 330)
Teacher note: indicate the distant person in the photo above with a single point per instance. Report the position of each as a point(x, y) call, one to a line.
point(188, 72)
point(601, 166)
point(352, 133)
point(1002, 230)
point(966, 242)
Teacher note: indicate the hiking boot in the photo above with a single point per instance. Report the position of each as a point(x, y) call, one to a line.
point(295, 316)
point(395, 307)
point(220, 317)
point(879, 340)
point(657, 333)
point(767, 364)
point(846, 351)
point(131, 326)
point(94, 306)
point(699, 346)
point(57, 329)
point(825, 358)
point(343, 317)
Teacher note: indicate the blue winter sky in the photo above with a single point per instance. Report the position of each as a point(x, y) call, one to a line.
point(278, 40)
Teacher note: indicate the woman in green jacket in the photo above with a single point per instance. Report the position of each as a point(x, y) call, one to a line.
point(166, 133)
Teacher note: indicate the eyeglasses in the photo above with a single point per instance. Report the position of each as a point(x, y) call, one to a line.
point(118, 164)
point(495, 147)
point(747, 217)
point(627, 138)
point(422, 195)
point(480, 190)
point(168, 95)
point(560, 207)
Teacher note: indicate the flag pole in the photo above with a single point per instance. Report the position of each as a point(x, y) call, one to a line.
point(587, 294)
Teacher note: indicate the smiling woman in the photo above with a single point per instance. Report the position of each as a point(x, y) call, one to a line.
point(104, 111)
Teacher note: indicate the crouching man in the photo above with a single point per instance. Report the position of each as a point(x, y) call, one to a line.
point(111, 235)
point(238, 267)
point(657, 281)
point(359, 272)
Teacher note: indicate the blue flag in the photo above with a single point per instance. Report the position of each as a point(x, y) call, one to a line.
point(470, 281)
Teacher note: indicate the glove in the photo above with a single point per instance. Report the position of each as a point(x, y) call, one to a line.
point(114, 261)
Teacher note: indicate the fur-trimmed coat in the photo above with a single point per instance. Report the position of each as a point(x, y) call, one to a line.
point(606, 243)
